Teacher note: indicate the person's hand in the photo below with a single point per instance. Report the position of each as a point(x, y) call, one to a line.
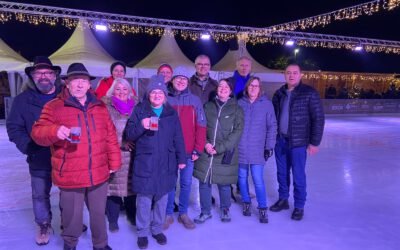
point(146, 123)
point(195, 157)
point(312, 150)
point(63, 132)
point(268, 153)
point(210, 149)
point(181, 166)
point(129, 146)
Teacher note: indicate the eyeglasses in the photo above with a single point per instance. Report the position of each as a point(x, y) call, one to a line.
point(203, 64)
point(159, 93)
point(41, 74)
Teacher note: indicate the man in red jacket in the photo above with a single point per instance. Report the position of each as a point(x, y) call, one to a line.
point(84, 150)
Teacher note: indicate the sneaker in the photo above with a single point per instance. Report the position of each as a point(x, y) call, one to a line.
point(142, 242)
point(202, 218)
point(160, 238)
point(279, 205)
point(43, 234)
point(186, 221)
point(113, 227)
point(103, 248)
point(225, 215)
point(263, 215)
point(168, 221)
point(246, 209)
point(298, 214)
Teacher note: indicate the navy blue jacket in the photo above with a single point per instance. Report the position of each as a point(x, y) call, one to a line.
point(25, 110)
point(157, 153)
point(306, 115)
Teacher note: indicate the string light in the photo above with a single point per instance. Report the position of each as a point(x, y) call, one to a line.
point(70, 18)
point(387, 78)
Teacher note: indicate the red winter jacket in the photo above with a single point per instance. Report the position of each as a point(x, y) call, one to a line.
point(88, 162)
point(104, 85)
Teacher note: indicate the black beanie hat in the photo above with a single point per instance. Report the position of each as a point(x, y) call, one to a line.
point(117, 63)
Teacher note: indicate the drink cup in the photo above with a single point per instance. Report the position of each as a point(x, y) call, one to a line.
point(75, 135)
point(154, 123)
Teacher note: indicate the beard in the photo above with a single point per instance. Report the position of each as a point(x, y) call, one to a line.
point(45, 85)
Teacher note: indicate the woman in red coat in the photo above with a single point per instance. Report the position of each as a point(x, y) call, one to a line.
point(118, 70)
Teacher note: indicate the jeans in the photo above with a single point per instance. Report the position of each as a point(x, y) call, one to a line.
point(185, 182)
point(41, 187)
point(205, 196)
point(150, 214)
point(257, 173)
point(291, 159)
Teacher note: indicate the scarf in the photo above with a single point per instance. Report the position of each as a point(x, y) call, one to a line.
point(124, 108)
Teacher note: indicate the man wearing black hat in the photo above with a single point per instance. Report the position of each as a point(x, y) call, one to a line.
point(84, 151)
point(27, 106)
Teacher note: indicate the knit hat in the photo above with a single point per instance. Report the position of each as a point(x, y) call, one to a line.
point(157, 82)
point(180, 71)
point(117, 63)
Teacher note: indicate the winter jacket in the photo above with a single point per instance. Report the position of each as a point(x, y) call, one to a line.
point(104, 85)
point(25, 110)
point(121, 182)
point(306, 115)
point(83, 164)
point(157, 153)
point(191, 115)
point(233, 82)
point(205, 94)
point(259, 132)
point(224, 128)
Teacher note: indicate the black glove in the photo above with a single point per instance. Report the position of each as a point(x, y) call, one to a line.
point(268, 153)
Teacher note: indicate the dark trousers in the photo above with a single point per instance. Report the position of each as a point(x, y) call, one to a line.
point(113, 207)
point(71, 204)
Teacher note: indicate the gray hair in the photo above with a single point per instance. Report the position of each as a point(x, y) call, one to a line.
point(122, 81)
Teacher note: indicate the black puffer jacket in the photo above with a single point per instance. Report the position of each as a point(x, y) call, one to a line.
point(306, 115)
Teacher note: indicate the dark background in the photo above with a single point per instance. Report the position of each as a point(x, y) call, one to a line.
point(31, 40)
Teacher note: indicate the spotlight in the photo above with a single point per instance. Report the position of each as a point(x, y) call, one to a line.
point(289, 42)
point(205, 36)
point(101, 27)
point(358, 48)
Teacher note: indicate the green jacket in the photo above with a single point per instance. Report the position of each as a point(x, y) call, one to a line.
point(224, 128)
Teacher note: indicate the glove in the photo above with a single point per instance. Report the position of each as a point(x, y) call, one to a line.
point(268, 153)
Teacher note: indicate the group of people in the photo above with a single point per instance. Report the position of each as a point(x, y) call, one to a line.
point(108, 149)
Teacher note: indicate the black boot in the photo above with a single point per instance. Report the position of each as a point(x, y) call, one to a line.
point(298, 214)
point(279, 205)
point(263, 215)
point(246, 209)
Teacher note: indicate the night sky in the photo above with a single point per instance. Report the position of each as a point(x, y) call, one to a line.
point(32, 40)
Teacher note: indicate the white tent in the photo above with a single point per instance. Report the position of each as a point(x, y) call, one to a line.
point(166, 51)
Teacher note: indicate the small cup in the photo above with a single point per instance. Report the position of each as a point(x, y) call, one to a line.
point(75, 135)
point(154, 123)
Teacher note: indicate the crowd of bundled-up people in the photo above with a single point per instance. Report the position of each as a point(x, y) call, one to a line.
point(108, 149)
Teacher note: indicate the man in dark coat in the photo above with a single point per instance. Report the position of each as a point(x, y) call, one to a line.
point(26, 109)
point(201, 84)
point(300, 118)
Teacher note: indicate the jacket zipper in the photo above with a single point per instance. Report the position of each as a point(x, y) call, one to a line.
point(62, 165)
point(89, 145)
point(209, 170)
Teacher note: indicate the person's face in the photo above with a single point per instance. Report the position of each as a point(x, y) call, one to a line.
point(292, 76)
point(156, 98)
point(202, 66)
point(121, 92)
point(166, 73)
point(243, 67)
point(44, 79)
point(118, 72)
point(254, 89)
point(180, 83)
point(223, 91)
point(78, 85)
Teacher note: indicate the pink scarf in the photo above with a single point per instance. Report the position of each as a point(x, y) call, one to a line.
point(124, 108)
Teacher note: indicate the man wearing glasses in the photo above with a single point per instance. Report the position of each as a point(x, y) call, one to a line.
point(201, 84)
point(26, 109)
